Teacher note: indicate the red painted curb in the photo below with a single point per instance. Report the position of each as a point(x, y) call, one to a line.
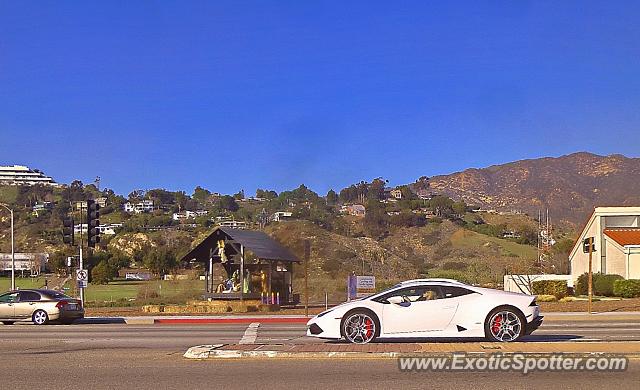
point(294, 320)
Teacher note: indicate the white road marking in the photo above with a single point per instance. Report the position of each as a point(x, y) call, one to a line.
point(250, 334)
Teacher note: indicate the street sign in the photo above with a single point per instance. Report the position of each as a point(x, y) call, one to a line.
point(585, 245)
point(360, 286)
point(82, 277)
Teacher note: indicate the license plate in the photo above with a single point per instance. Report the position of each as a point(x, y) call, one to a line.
point(72, 306)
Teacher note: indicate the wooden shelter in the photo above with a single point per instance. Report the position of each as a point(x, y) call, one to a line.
point(256, 266)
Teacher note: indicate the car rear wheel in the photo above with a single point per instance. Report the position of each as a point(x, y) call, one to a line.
point(359, 327)
point(40, 317)
point(504, 324)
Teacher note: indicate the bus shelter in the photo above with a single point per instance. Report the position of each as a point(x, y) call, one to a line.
point(255, 266)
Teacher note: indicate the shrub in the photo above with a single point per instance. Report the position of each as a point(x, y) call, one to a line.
point(546, 298)
point(567, 299)
point(557, 288)
point(455, 266)
point(101, 273)
point(602, 284)
point(626, 288)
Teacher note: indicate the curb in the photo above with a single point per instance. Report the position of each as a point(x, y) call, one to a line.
point(248, 320)
point(203, 352)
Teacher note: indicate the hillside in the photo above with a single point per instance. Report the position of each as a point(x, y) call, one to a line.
point(444, 249)
point(569, 186)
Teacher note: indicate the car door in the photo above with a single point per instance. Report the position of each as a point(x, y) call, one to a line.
point(27, 301)
point(7, 302)
point(422, 310)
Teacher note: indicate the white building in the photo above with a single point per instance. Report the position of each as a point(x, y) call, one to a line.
point(33, 263)
point(18, 175)
point(145, 206)
point(183, 215)
point(109, 229)
point(281, 216)
point(616, 233)
point(357, 210)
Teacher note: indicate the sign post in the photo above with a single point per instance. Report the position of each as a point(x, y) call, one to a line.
point(588, 246)
point(307, 255)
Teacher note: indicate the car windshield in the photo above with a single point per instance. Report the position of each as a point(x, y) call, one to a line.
point(380, 292)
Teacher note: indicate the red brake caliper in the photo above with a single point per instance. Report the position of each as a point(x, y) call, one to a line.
point(497, 322)
point(368, 325)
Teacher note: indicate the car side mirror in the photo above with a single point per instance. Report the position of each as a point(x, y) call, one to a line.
point(395, 300)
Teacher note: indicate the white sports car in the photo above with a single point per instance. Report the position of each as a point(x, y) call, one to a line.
point(427, 308)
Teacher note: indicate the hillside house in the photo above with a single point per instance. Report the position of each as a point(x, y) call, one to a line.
point(145, 206)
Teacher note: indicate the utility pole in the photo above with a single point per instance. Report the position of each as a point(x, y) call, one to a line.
point(307, 254)
point(590, 239)
point(81, 265)
point(13, 251)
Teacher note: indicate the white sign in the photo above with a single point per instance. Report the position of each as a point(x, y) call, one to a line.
point(365, 282)
point(82, 275)
point(365, 285)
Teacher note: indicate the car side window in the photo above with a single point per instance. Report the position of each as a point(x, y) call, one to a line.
point(29, 296)
point(9, 298)
point(454, 291)
point(416, 294)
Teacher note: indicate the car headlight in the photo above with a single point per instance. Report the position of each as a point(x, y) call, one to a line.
point(324, 312)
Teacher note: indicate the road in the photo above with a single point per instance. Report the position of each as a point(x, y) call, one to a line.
point(150, 356)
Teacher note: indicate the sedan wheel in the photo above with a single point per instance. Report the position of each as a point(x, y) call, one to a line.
point(359, 328)
point(504, 325)
point(40, 317)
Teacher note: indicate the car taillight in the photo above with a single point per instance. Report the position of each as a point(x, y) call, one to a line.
point(61, 303)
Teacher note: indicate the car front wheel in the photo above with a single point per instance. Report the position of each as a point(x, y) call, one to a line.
point(504, 324)
point(359, 327)
point(40, 317)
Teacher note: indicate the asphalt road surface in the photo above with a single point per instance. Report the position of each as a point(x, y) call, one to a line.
point(150, 356)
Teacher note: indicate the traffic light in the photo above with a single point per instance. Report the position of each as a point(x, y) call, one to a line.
point(93, 221)
point(67, 231)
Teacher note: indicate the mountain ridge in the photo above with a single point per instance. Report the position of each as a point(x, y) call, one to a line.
point(569, 185)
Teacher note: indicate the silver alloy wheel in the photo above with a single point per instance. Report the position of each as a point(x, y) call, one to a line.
point(505, 325)
point(40, 317)
point(359, 328)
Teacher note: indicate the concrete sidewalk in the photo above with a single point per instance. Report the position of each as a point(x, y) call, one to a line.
point(398, 349)
point(297, 319)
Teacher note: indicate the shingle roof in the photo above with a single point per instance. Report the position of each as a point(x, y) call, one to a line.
point(263, 246)
point(624, 236)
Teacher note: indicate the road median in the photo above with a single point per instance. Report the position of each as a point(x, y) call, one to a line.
point(395, 350)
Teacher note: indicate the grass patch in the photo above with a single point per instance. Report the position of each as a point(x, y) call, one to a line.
point(27, 282)
point(469, 239)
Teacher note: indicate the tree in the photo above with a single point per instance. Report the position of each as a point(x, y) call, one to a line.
point(332, 197)
point(239, 195)
point(201, 195)
point(459, 208)
point(101, 273)
point(160, 261)
point(266, 194)
point(137, 195)
point(375, 190)
point(375, 220)
point(161, 196)
point(228, 203)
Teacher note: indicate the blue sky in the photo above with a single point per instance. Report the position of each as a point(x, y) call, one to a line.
point(271, 94)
